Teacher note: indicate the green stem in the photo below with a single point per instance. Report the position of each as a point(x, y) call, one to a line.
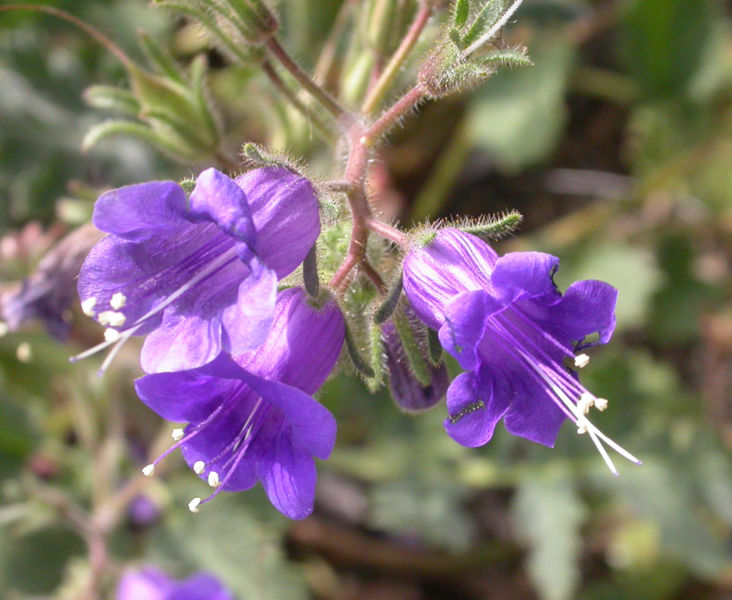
point(328, 102)
point(306, 111)
point(383, 84)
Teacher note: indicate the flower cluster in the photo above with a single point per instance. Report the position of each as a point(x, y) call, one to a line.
point(237, 360)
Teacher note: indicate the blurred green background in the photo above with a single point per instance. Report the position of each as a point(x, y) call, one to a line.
point(616, 147)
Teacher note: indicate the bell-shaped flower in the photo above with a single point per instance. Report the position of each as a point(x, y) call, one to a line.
point(197, 275)
point(252, 418)
point(150, 583)
point(517, 336)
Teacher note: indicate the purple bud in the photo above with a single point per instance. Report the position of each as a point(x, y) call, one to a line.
point(410, 395)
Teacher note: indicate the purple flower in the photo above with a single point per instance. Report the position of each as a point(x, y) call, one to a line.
point(408, 392)
point(252, 418)
point(153, 584)
point(196, 275)
point(517, 336)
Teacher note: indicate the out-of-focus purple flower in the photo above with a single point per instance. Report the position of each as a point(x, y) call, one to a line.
point(142, 511)
point(509, 326)
point(408, 392)
point(150, 583)
point(196, 275)
point(253, 418)
point(48, 293)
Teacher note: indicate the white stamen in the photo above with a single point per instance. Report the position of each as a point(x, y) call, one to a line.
point(87, 307)
point(4, 328)
point(585, 403)
point(199, 467)
point(213, 479)
point(582, 422)
point(112, 335)
point(118, 300)
point(581, 361)
point(149, 470)
point(601, 404)
point(581, 428)
point(24, 352)
point(177, 434)
point(111, 318)
point(193, 505)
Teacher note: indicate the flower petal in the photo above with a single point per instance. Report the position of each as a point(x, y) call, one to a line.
point(219, 199)
point(141, 211)
point(247, 322)
point(453, 263)
point(313, 426)
point(587, 307)
point(148, 584)
point(473, 410)
point(465, 320)
point(535, 417)
point(288, 477)
point(212, 446)
point(184, 396)
point(181, 342)
point(201, 587)
point(303, 344)
point(529, 274)
point(285, 212)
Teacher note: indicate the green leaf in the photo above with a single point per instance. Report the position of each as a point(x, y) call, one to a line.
point(548, 514)
point(115, 99)
point(519, 117)
point(431, 512)
point(665, 42)
point(664, 493)
point(138, 130)
point(461, 12)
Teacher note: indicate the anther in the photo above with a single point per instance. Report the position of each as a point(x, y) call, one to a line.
point(177, 434)
point(4, 328)
point(87, 307)
point(601, 404)
point(193, 505)
point(111, 318)
point(585, 402)
point(213, 479)
point(581, 361)
point(118, 300)
point(149, 470)
point(581, 428)
point(199, 467)
point(112, 335)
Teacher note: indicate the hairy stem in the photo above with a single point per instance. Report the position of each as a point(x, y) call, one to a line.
point(392, 115)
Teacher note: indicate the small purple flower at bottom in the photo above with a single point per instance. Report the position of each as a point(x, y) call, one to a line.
point(517, 336)
point(150, 583)
point(253, 418)
point(196, 275)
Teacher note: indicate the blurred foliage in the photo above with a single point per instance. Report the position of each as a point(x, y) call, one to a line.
point(617, 148)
